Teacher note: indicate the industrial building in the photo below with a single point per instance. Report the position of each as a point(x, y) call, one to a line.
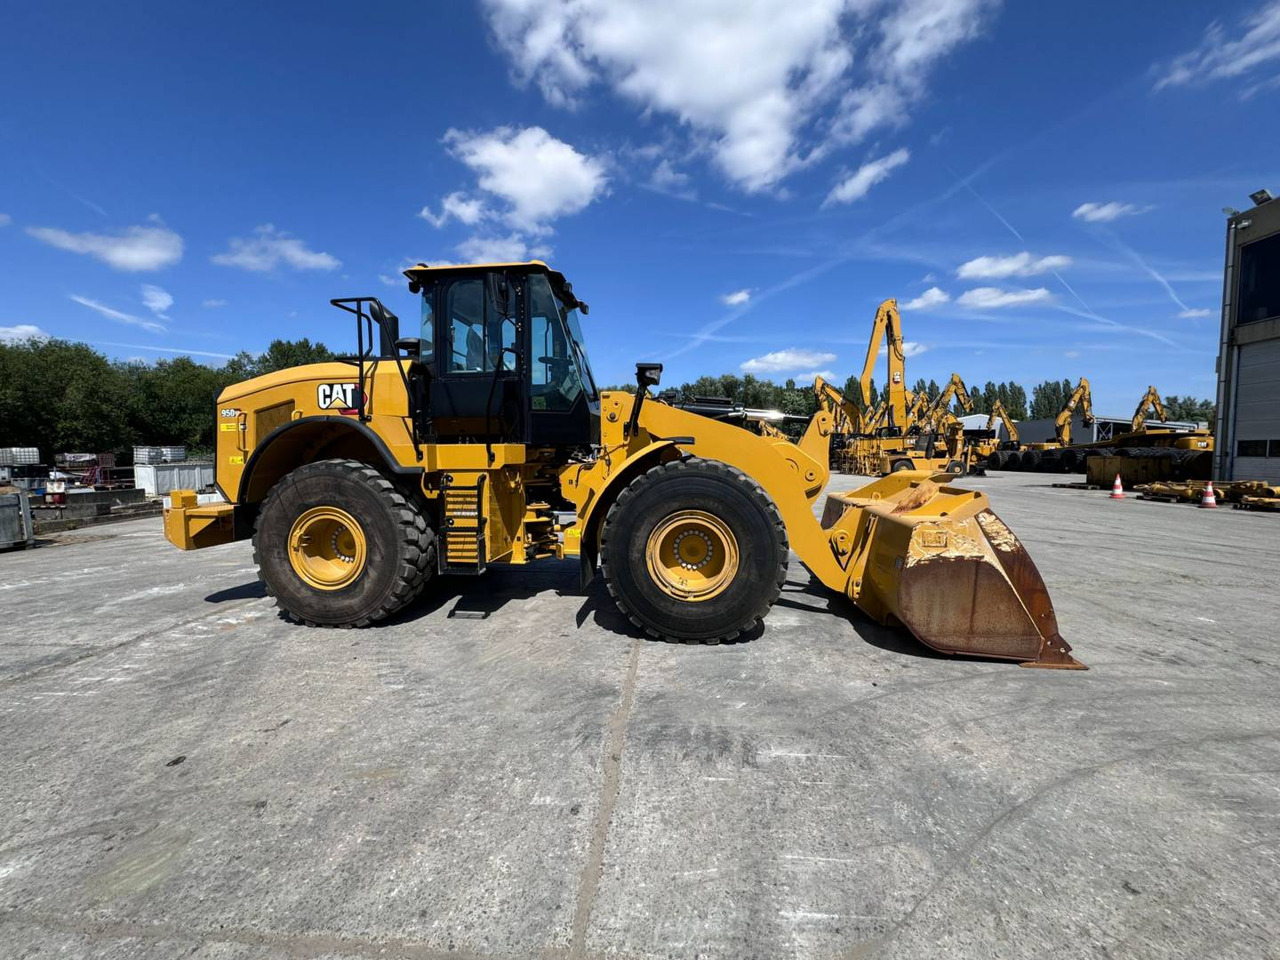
point(1102, 428)
point(1248, 425)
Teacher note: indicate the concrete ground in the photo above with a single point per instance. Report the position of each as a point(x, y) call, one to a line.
point(184, 774)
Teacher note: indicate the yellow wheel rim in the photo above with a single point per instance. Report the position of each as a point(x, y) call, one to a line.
point(692, 555)
point(327, 548)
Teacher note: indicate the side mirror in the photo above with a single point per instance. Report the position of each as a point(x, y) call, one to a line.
point(648, 375)
point(410, 346)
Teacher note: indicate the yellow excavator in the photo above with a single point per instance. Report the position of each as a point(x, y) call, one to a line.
point(1150, 403)
point(767, 429)
point(993, 451)
point(931, 419)
point(479, 437)
point(1039, 456)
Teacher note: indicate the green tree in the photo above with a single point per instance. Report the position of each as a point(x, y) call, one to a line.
point(282, 354)
point(61, 397)
point(1190, 409)
point(1048, 398)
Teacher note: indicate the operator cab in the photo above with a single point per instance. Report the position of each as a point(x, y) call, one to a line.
point(501, 356)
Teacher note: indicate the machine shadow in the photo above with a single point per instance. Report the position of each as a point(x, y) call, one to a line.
point(253, 590)
point(478, 598)
point(810, 595)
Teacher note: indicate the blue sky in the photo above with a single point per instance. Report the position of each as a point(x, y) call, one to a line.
point(732, 184)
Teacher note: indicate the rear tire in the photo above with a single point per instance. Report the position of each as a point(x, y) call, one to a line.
point(387, 550)
point(736, 544)
point(900, 465)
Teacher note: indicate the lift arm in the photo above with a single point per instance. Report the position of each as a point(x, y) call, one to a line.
point(1079, 396)
point(1150, 402)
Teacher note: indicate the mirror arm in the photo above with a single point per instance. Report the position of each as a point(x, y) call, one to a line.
point(647, 375)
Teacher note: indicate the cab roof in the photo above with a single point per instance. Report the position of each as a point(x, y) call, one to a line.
point(425, 273)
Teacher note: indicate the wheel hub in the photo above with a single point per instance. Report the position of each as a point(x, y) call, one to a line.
point(692, 555)
point(327, 548)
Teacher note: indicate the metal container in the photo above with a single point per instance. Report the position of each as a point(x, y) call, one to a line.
point(160, 478)
point(19, 456)
point(16, 529)
point(170, 454)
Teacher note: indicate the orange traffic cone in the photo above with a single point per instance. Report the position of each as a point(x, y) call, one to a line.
point(1208, 501)
point(1117, 489)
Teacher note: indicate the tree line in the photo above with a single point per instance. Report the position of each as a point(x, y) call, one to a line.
point(1046, 401)
point(62, 396)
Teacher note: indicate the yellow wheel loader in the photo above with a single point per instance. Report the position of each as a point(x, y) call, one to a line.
point(479, 437)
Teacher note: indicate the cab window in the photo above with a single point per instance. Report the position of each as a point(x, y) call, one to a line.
point(427, 331)
point(554, 374)
point(476, 331)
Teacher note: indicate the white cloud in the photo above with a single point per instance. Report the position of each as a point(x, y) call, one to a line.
point(541, 178)
point(1018, 265)
point(667, 179)
point(268, 248)
point(933, 297)
point(990, 298)
point(1072, 354)
point(910, 348)
point(389, 280)
point(749, 80)
point(213, 304)
point(5, 220)
point(856, 185)
point(456, 206)
point(156, 299)
point(1217, 58)
point(1192, 314)
point(790, 360)
point(119, 316)
point(22, 331)
point(182, 351)
point(509, 249)
point(735, 299)
point(1106, 212)
point(133, 249)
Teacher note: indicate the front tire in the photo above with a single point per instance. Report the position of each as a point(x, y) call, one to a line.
point(694, 551)
point(338, 546)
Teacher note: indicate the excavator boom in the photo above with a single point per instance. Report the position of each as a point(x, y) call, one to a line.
point(932, 419)
point(887, 326)
point(1150, 403)
point(1079, 397)
point(999, 412)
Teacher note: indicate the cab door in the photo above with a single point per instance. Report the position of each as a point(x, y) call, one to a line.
point(474, 393)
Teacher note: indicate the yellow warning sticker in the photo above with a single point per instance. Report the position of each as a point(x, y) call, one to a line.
point(229, 427)
point(237, 460)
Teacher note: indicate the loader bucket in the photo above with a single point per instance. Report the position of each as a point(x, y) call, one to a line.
point(937, 560)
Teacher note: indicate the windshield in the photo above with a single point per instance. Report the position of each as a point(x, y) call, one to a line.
point(580, 347)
